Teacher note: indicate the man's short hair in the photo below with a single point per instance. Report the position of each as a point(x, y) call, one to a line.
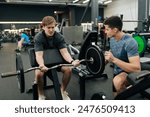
point(48, 20)
point(114, 22)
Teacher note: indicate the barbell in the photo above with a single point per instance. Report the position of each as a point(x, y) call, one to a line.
point(20, 71)
point(94, 61)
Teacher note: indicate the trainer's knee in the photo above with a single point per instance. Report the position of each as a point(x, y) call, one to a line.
point(117, 83)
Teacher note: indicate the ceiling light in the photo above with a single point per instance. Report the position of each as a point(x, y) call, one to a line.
point(20, 22)
point(106, 2)
point(75, 1)
point(85, 1)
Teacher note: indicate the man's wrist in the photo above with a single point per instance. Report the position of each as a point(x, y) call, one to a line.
point(114, 60)
point(42, 65)
point(71, 61)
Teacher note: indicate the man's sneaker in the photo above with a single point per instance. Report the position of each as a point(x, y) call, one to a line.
point(65, 95)
point(42, 97)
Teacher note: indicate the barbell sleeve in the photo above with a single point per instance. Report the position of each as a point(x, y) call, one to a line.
point(9, 74)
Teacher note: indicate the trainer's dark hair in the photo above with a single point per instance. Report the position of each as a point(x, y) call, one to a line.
point(114, 22)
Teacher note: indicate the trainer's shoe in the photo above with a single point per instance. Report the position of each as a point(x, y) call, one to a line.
point(42, 97)
point(65, 95)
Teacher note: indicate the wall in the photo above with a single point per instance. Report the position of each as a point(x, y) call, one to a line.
point(22, 12)
point(11, 12)
point(26, 12)
point(129, 9)
point(87, 17)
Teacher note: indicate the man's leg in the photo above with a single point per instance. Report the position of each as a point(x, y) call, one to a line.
point(19, 46)
point(66, 77)
point(119, 82)
point(39, 80)
point(67, 71)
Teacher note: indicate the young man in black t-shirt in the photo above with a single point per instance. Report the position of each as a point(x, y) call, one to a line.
point(46, 39)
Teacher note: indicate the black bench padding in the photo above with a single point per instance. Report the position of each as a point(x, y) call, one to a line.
point(135, 78)
point(51, 57)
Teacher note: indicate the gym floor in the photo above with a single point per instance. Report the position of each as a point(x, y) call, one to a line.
point(9, 86)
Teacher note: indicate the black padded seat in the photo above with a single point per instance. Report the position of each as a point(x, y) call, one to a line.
point(139, 81)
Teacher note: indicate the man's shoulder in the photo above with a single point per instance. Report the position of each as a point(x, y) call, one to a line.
point(38, 35)
point(128, 37)
point(58, 35)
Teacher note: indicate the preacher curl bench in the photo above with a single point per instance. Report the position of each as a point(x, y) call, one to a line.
point(49, 61)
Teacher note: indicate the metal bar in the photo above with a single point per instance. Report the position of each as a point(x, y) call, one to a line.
point(88, 5)
point(8, 74)
point(144, 34)
point(133, 21)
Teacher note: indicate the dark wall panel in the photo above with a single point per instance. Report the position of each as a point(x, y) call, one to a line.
point(12, 12)
point(87, 17)
point(28, 12)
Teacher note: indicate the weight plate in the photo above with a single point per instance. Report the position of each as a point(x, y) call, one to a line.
point(141, 44)
point(20, 70)
point(97, 66)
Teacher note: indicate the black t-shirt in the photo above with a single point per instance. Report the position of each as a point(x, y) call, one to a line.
point(43, 43)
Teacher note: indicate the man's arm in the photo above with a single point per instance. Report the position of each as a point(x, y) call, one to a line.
point(132, 66)
point(39, 58)
point(40, 61)
point(66, 55)
point(64, 52)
